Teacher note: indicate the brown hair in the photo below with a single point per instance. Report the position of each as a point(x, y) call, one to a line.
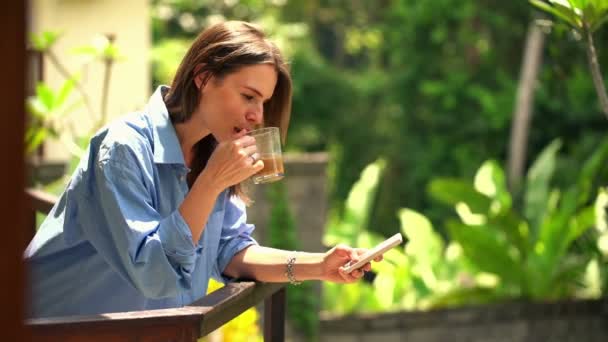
point(222, 49)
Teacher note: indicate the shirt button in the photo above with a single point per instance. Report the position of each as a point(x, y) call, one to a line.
point(182, 178)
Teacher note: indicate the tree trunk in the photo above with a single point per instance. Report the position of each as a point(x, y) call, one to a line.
point(522, 114)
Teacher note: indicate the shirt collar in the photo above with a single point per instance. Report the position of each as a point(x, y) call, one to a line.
point(167, 149)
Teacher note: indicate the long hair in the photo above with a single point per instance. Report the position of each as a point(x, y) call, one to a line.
point(219, 50)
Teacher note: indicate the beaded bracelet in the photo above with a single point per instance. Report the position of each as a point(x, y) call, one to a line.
point(291, 260)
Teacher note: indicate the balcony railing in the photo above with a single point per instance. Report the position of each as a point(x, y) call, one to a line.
point(180, 324)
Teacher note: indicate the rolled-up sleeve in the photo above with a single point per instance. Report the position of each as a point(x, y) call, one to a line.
point(155, 254)
point(235, 235)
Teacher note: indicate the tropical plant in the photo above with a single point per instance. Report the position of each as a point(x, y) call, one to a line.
point(426, 273)
point(584, 17)
point(531, 249)
point(50, 109)
point(541, 249)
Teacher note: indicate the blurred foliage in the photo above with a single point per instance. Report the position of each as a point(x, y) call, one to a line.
point(546, 249)
point(302, 303)
point(584, 18)
point(540, 250)
point(53, 112)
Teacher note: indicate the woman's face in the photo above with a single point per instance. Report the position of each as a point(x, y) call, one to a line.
point(236, 101)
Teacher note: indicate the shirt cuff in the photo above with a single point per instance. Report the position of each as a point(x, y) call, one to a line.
point(229, 251)
point(176, 239)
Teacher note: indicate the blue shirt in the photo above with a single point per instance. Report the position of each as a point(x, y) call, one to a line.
point(115, 240)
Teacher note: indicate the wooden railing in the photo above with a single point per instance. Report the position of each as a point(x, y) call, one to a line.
point(180, 324)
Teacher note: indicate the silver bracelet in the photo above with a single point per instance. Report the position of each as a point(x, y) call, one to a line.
point(291, 260)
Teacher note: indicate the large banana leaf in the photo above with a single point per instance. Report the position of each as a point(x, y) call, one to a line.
point(424, 245)
point(346, 229)
point(488, 249)
point(453, 191)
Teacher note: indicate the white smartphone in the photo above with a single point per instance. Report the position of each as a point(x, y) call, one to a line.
point(380, 249)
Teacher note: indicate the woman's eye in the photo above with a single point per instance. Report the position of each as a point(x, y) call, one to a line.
point(248, 97)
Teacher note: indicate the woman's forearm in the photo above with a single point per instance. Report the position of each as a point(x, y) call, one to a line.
point(270, 265)
point(197, 205)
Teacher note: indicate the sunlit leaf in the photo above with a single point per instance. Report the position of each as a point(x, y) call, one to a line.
point(44, 41)
point(538, 181)
point(36, 107)
point(64, 92)
point(601, 211)
point(488, 249)
point(453, 191)
point(36, 139)
point(562, 12)
point(490, 181)
point(46, 96)
point(424, 244)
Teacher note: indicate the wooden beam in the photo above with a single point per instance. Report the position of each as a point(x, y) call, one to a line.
point(41, 201)
point(180, 324)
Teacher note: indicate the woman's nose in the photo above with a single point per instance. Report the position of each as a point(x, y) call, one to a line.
point(256, 115)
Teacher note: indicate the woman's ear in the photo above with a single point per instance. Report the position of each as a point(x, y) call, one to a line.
point(200, 78)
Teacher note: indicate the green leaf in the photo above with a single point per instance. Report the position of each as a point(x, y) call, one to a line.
point(580, 223)
point(112, 52)
point(453, 191)
point(490, 181)
point(357, 209)
point(601, 211)
point(594, 163)
point(599, 22)
point(44, 41)
point(553, 241)
point(385, 289)
point(36, 107)
point(424, 243)
point(64, 92)
point(35, 139)
point(425, 247)
point(575, 4)
point(488, 249)
point(46, 96)
point(568, 276)
point(538, 181)
point(564, 13)
point(515, 228)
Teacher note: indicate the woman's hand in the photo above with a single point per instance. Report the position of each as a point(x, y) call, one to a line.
point(337, 257)
point(233, 161)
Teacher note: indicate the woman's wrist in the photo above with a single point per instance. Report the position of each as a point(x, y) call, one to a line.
point(209, 183)
point(308, 266)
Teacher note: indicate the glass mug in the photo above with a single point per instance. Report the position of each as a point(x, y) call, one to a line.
point(268, 143)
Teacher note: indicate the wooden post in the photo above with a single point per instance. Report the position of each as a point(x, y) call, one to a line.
point(274, 317)
point(12, 202)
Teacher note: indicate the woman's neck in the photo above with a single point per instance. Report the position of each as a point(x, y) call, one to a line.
point(189, 134)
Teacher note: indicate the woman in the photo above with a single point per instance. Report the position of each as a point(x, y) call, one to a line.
point(156, 207)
